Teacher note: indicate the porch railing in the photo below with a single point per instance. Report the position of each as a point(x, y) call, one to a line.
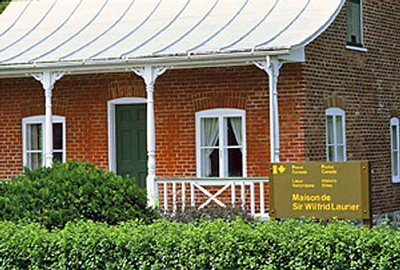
point(250, 194)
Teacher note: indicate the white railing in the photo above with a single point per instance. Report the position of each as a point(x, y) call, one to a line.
point(177, 194)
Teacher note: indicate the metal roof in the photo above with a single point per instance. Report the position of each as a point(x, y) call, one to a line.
point(81, 31)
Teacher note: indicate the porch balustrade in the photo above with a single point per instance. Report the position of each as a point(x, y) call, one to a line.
point(250, 194)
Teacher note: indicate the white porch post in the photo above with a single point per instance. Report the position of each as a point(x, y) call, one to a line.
point(48, 79)
point(272, 66)
point(149, 75)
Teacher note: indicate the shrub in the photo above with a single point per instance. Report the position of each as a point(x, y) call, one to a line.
point(72, 191)
point(192, 214)
point(205, 245)
point(3, 5)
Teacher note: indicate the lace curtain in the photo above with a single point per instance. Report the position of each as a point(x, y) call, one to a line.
point(236, 124)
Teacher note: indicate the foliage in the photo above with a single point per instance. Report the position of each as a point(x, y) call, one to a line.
point(204, 245)
point(72, 191)
point(193, 214)
point(3, 5)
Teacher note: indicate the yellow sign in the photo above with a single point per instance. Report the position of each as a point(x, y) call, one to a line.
point(320, 189)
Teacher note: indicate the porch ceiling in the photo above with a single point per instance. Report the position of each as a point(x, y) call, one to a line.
point(105, 35)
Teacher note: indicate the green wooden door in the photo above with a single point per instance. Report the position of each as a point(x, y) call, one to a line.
point(132, 141)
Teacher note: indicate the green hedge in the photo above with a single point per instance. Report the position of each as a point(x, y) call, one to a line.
point(193, 214)
point(205, 245)
point(72, 191)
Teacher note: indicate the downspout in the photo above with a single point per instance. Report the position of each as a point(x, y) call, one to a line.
point(272, 66)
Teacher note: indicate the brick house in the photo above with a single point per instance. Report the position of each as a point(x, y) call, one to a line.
point(195, 98)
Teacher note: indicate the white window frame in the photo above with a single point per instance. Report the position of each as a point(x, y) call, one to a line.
point(334, 112)
point(394, 122)
point(221, 114)
point(40, 119)
point(357, 47)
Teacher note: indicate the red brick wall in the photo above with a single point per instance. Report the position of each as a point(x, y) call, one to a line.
point(366, 85)
point(179, 95)
point(81, 99)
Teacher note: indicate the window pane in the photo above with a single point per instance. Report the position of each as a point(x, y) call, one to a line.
point(340, 153)
point(34, 137)
point(395, 162)
point(58, 157)
point(210, 163)
point(339, 130)
point(34, 160)
point(354, 22)
point(235, 163)
point(57, 136)
point(329, 122)
point(234, 125)
point(349, 22)
point(394, 137)
point(331, 153)
point(209, 131)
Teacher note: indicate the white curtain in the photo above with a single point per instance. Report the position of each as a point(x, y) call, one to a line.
point(34, 140)
point(209, 137)
point(236, 124)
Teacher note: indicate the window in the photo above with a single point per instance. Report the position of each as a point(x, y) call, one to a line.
point(33, 133)
point(221, 143)
point(394, 134)
point(335, 135)
point(354, 23)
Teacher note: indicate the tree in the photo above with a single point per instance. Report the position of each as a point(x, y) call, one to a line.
point(3, 5)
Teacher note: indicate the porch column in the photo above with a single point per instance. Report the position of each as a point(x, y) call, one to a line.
point(149, 75)
point(272, 66)
point(48, 78)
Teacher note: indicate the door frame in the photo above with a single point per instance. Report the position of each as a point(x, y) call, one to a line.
point(112, 142)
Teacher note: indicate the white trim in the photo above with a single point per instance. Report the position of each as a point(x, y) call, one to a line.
point(362, 22)
point(112, 153)
point(334, 111)
point(215, 181)
point(123, 65)
point(394, 121)
point(296, 55)
point(221, 113)
point(40, 119)
point(355, 48)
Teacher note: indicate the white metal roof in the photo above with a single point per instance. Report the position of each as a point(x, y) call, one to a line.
point(58, 32)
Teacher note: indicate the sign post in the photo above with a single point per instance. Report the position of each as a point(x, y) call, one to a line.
point(322, 190)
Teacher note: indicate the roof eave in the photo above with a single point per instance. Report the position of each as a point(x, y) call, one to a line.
point(220, 59)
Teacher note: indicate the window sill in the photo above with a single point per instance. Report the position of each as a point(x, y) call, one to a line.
point(356, 48)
